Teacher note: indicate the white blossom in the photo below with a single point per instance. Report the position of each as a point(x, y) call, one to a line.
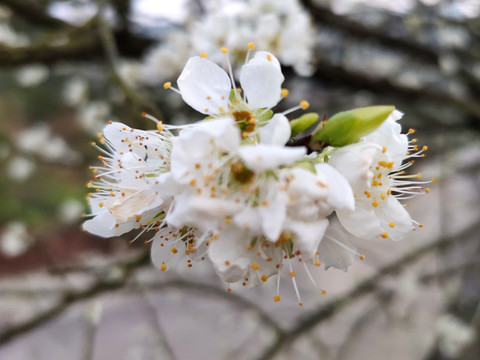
point(15, 239)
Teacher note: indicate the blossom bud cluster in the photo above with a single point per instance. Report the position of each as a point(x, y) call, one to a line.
point(235, 189)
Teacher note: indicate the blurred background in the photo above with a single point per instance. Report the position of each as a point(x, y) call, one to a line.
point(67, 67)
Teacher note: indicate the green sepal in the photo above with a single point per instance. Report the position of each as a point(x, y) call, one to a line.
point(348, 127)
point(302, 123)
point(265, 115)
point(306, 165)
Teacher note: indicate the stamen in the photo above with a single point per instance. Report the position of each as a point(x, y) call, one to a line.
point(294, 282)
point(250, 47)
point(230, 71)
point(168, 85)
point(303, 105)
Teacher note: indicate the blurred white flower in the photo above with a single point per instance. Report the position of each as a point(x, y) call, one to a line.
point(11, 38)
point(15, 240)
point(130, 72)
point(283, 28)
point(166, 59)
point(41, 141)
point(32, 75)
point(70, 211)
point(453, 335)
point(93, 115)
point(20, 168)
point(75, 91)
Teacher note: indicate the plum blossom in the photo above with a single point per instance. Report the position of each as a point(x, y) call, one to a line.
point(234, 189)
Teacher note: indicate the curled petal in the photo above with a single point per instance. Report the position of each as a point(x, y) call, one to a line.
point(228, 255)
point(261, 79)
point(204, 85)
point(277, 131)
point(335, 249)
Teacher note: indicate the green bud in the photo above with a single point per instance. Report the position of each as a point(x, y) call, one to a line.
point(347, 127)
point(302, 123)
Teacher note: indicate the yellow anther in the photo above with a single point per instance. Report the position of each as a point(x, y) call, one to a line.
point(138, 217)
point(265, 203)
point(433, 180)
point(362, 257)
point(100, 204)
point(227, 262)
point(324, 292)
point(427, 190)
point(163, 267)
point(255, 266)
point(276, 298)
point(304, 104)
point(419, 175)
point(292, 274)
point(284, 92)
point(383, 196)
point(269, 57)
point(300, 303)
point(228, 220)
point(390, 164)
point(411, 131)
point(391, 224)
point(389, 192)
point(229, 290)
point(425, 148)
point(167, 85)
point(384, 235)
point(367, 193)
point(203, 54)
point(214, 236)
point(384, 149)
point(318, 263)
point(375, 183)
point(174, 250)
point(224, 50)
point(264, 278)
point(251, 46)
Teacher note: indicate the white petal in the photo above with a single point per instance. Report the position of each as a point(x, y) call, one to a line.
point(277, 131)
point(273, 215)
point(124, 209)
point(308, 235)
point(340, 195)
point(104, 225)
point(362, 222)
point(389, 135)
point(392, 212)
point(261, 157)
point(335, 248)
point(230, 248)
point(354, 161)
point(204, 85)
point(261, 79)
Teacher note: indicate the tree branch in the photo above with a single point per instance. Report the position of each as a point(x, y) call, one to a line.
point(325, 16)
point(33, 13)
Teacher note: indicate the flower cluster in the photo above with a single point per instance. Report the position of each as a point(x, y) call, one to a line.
point(237, 188)
point(282, 27)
